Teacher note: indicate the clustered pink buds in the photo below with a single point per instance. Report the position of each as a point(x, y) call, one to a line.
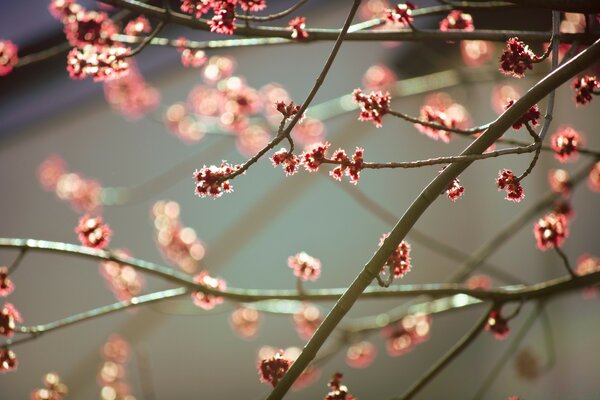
point(8, 56)
point(455, 190)
point(123, 280)
point(113, 371)
point(531, 116)
point(373, 106)
point(208, 301)
point(298, 28)
point(287, 110)
point(6, 285)
point(497, 324)
point(271, 370)
point(101, 63)
point(509, 182)
point(9, 316)
point(560, 181)
point(516, 58)
point(566, 143)
point(93, 232)
point(89, 28)
point(213, 181)
point(306, 320)
point(306, 378)
point(457, 20)
point(338, 391)
point(61, 9)
point(138, 26)
point(82, 193)
point(349, 168)
point(399, 261)
point(361, 354)
point(305, 267)
point(441, 109)
point(288, 161)
point(223, 20)
point(245, 322)
point(8, 360)
point(593, 180)
point(177, 243)
point(379, 77)
point(54, 388)
point(551, 231)
point(314, 155)
point(253, 5)
point(584, 88)
point(403, 336)
point(401, 15)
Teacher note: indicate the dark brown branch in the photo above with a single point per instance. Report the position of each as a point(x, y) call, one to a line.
point(274, 16)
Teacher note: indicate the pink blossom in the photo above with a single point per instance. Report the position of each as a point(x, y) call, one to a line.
point(9, 316)
point(361, 354)
point(497, 324)
point(271, 370)
point(93, 232)
point(457, 20)
point(305, 267)
point(6, 285)
point(551, 231)
point(297, 26)
point(8, 360)
point(508, 181)
point(213, 181)
point(373, 106)
point(208, 301)
point(566, 143)
point(399, 261)
point(8, 56)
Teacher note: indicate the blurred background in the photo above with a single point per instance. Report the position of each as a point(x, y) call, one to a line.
point(182, 352)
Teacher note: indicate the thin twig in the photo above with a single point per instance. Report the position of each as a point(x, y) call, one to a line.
point(565, 260)
point(15, 264)
point(433, 125)
point(146, 41)
point(274, 16)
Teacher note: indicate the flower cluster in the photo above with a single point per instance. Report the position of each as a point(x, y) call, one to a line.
point(288, 161)
point(137, 26)
point(306, 320)
point(551, 231)
point(213, 181)
point(401, 15)
point(399, 261)
point(61, 9)
point(476, 52)
point(298, 28)
point(83, 194)
point(516, 58)
point(587, 264)
point(223, 20)
point(89, 28)
point(306, 378)
point(104, 63)
point(509, 182)
point(288, 110)
point(245, 322)
point(6, 284)
point(123, 280)
point(338, 391)
point(305, 267)
point(455, 190)
point(93, 232)
point(497, 324)
point(208, 301)
point(271, 370)
point(177, 243)
point(593, 180)
point(9, 316)
point(372, 106)
point(531, 116)
point(559, 181)
point(130, 95)
point(349, 168)
point(441, 109)
point(54, 388)
point(457, 20)
point(584, 88)
point(361, 354)
point(566, 143)
point(403, 336)
point(112, 376)
point(8, 360)
point(8, 56)
point(379, 77)
point(314, 155)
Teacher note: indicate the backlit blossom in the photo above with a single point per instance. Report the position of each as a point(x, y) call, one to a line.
point(401, 15)
point(508, 181)
point(288, 110)
point(271, 370)
point(399, 261)
point(530, 116)
point(308, 131)
point(455, 190)
point(90, 28)
point(587, 264)
point(8, 56)
point(8, 360)
point(350, 168)
point(501, 94)
point(476, 52)
point(361, 354)
point(123, 280)
point(338, 391)
point(93, 232)
point(559, 181)
point(213, 181)
point(550, 231)
point(593, 180)
point(298, 28)
point(245, 322)
point(313, 157)
point(305, 267)
point(138, 26)
point(497, 324)
point(63, 9)
point(223, 20)
point(193, 58)
point(402, 336)
point(208, 301)
point(9, 317)
point(441, 109)
point(288, 161)
point(306, 320)
point(566, 143)
point(457, 20)
point(372, 106)
point(101, 64)
point(483, 282)
point(253, 5)
point(379, 77)
point(6, 285)
point(516, 58)
point(584, 88)
point(196, 7)
point(54, 389)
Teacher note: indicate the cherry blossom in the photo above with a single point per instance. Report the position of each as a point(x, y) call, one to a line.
point(93, 232)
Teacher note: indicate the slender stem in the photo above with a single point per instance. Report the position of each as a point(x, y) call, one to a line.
point(15, 264)
point(458, 348)
point(274, 16)
point(565, 260)
point(433, 125)
point(146, 41)
point(554, 46)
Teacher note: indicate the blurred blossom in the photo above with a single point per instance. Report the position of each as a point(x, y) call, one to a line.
point(361, 355)
point(245, 322)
